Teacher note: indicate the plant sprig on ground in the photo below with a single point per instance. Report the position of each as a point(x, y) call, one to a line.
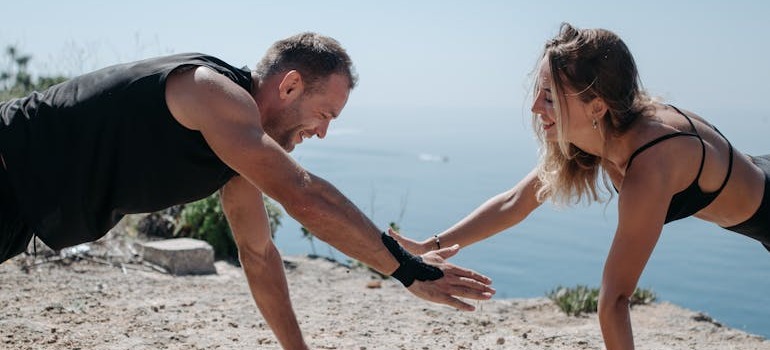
point(582, 299)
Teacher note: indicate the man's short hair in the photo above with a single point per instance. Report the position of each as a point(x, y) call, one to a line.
point(313, 55)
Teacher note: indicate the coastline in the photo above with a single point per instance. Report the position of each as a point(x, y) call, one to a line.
point(90, 305)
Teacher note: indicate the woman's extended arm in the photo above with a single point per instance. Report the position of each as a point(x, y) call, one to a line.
point(496, 214)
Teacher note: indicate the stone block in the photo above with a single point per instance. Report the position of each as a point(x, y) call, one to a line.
point(181, 256)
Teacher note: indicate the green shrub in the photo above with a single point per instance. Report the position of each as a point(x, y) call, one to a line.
point(575, 301)
point(205, 220)
point(642, 297)
point(582, 299)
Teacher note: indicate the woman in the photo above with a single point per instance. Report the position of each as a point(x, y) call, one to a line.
point(593, 120)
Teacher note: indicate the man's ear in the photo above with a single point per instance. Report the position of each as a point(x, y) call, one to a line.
point(291, 86)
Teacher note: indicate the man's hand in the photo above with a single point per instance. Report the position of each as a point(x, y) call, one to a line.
point(457, 282)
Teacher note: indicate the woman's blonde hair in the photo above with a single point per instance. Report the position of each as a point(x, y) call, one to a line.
point(597, 64)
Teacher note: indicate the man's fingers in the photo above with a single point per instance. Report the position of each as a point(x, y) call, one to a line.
point(469, 274)
point(471, 288)
point(446, 293)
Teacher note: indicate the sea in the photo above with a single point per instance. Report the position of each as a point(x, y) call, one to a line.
point(425, 168)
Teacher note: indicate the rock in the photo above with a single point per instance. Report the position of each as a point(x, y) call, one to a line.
point(180, 256)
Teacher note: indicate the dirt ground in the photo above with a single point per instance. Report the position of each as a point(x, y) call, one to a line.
point(98, 302)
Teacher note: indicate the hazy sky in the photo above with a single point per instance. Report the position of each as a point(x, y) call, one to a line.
point(705, 55)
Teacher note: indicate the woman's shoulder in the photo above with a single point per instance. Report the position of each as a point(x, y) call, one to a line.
point(661, 134)
point(659, 149)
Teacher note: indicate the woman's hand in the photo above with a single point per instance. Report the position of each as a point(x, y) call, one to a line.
point(412, 246)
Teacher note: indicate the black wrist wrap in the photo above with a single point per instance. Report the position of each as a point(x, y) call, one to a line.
point(411, 267)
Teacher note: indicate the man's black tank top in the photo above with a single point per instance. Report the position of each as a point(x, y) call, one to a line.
point(85, 152)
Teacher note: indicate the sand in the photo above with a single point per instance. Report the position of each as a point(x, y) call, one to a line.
point(89, 304)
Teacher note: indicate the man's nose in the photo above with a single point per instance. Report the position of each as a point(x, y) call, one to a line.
point(321, 130)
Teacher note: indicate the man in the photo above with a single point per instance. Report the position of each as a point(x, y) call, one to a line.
point(146, 135)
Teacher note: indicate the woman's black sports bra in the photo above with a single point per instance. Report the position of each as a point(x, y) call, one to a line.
point(692, 199)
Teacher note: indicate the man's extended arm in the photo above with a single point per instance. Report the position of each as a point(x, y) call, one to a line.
point(262, 264)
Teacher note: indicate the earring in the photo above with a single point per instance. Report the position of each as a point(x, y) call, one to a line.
point(594, 124)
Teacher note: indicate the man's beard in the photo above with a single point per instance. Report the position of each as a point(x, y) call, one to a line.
point(279, 130)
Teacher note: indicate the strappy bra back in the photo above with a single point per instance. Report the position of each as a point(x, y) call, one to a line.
point(692, 199)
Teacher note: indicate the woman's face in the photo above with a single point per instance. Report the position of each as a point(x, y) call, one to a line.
point(573, 118)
